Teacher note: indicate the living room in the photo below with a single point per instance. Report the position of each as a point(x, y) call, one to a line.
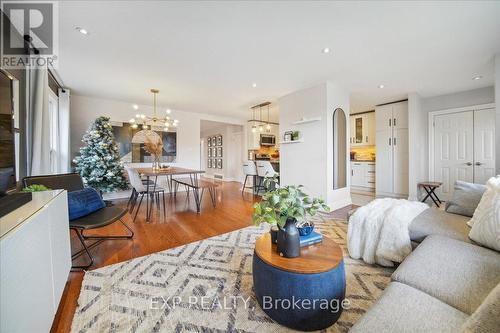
point(248, 166)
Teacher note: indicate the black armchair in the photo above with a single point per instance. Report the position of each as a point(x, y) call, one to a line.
point(98, 219)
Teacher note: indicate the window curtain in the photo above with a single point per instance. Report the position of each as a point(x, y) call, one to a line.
point(64, 131)
point(38, 122)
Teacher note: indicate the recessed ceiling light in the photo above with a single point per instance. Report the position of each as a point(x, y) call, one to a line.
point(135, 107)
point(479, 77)
point(326, 50)
point(254, 85)
point(381, 86)
point(168, 111)
point(82, 30)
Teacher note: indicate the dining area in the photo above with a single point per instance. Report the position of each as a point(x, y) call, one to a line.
point(153, 186)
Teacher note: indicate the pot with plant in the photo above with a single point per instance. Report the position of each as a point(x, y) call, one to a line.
point(283, 206)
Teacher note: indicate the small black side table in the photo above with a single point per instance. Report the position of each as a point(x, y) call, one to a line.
point(429, 188)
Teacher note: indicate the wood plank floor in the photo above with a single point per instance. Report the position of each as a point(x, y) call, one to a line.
point(181, 226)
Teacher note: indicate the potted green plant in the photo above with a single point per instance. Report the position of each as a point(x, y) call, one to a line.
point(283, 206)
point(35, 188)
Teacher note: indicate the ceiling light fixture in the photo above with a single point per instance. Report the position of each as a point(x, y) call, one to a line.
point(326, 50)
point(381, 86)
point(82, 31)
point(168, 111)
point(135, 107)
point(479, 77)
point(254, 85)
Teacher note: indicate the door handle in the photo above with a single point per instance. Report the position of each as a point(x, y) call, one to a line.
point(389, 122)
point(367, 139)
point(479, 163)
point(394, 122)
point(352, 172)
point(468, 163)
point(394, 141)
point(389, 141)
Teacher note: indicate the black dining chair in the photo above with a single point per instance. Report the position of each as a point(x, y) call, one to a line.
point(98, 219)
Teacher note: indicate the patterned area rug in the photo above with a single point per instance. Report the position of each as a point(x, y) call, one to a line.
point(205, 287)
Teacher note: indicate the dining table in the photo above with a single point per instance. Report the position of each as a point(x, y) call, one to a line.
point(168, 172)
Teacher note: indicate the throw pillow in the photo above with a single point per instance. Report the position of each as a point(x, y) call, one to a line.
point(486, 219)
point(84, 202)
point(486, 318)
point(466, 197)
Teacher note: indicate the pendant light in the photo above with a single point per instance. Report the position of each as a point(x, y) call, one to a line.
point(268, 126)
point(254, 128)
point(261, 128)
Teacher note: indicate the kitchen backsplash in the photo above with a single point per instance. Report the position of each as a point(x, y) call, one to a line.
point(364, 153)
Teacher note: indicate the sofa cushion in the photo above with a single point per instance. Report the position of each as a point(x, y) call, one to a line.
point(466, 197)
point(486, 319)
point(457, 273)
point(403, 309)
point(433, 221)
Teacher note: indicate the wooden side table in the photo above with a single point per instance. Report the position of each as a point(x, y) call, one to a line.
point(303, 293)
point(429, 188)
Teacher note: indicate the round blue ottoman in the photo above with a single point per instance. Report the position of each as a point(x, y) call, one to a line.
point(304, 293)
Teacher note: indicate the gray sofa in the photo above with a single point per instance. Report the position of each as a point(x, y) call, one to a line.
point(447, 284)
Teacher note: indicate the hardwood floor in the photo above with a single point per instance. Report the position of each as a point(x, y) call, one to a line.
point(182, 225)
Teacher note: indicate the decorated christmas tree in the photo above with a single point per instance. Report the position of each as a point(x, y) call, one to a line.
point(99, 161)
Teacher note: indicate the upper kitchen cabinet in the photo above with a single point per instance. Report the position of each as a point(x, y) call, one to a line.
point(362, 129)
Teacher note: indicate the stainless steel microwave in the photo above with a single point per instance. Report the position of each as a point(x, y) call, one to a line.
point(267, 140)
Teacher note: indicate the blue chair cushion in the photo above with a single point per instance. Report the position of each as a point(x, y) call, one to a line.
point(84, 202)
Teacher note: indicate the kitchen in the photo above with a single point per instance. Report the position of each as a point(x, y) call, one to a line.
point(263, 139)
point(363, 152)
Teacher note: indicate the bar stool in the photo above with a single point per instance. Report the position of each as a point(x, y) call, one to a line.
point(264, 170)
point(249, 169)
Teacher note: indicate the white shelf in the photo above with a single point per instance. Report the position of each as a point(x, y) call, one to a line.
point(306, 120)
point(291, 141)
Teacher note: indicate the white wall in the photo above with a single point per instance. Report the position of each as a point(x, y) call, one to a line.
point(418, 142)
point(497, 125)
point(460, 99)
point(85, 109)
point(232, 152)
point(310, 163)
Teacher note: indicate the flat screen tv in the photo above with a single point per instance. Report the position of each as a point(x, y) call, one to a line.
point(7, 134)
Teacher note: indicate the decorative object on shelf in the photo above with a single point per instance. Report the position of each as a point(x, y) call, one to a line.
point(219, 140)
point(283, 206)
point(155, 121)
point(219, 163)
point(305, 227)
point(219, 151)
point(287, 136)
point(154, 146)
point(99, 162)
point(295, 135)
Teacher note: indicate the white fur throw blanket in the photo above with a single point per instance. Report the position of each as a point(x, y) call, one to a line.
point(378, 232)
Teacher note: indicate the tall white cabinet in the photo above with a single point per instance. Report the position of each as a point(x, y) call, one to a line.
point(392, 149)
point(35, 260)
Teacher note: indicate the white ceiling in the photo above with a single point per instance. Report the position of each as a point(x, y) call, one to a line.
point(204, 56)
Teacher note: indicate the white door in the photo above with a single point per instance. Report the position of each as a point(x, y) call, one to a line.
point(400, 157)
point(484, 145)
point(453, 150)
point(384, 166)
point(400, 115)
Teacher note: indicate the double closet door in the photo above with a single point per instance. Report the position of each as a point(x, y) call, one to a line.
point(464, 148)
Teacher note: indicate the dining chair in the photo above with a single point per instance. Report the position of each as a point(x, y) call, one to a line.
point(264, 170)
point(141, 189)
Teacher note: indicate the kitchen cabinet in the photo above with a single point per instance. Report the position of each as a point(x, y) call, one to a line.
point(363, 174)
point(392, 149)
point(253, 138)
point(362, 129)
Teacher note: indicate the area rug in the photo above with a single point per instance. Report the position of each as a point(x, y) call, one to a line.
point(206, 286)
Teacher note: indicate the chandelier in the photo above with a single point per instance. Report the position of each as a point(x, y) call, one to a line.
point(155, 122)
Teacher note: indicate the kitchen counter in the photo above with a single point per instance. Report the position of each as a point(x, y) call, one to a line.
point(364, 161)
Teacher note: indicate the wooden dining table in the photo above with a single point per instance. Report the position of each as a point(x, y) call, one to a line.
point(169, 173)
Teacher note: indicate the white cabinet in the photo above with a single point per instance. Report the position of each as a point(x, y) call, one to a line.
point(362, 129)
point(392, 149)
point(35, 260)
point(363, 174)
point(253, 138)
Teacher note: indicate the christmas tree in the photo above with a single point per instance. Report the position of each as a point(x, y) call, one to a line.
point(99, 161)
